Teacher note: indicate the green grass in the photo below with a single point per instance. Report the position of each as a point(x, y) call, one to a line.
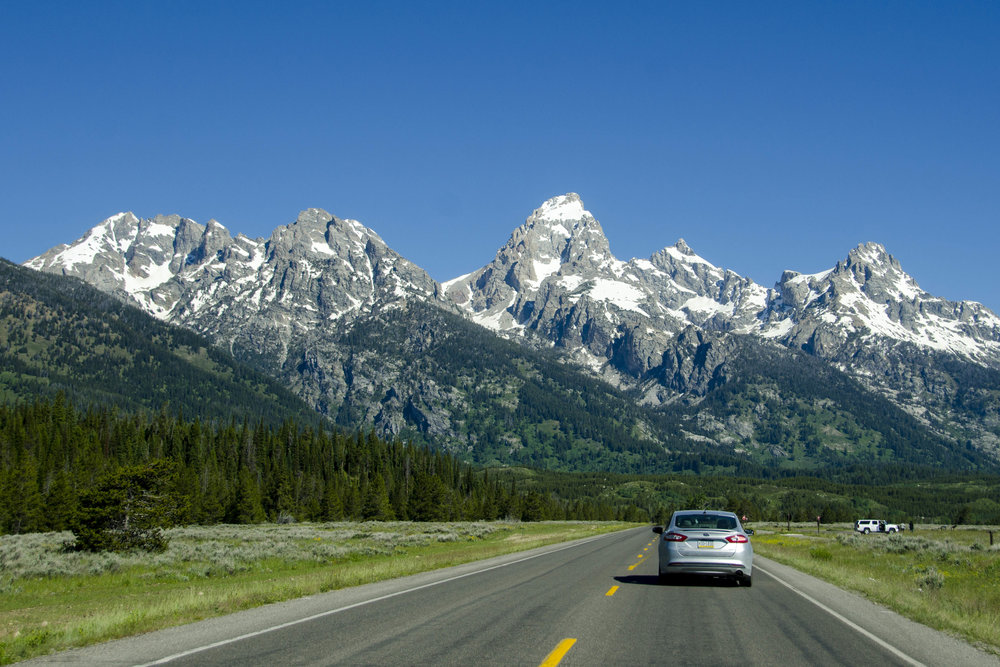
point(945, 579)
point(51, 599)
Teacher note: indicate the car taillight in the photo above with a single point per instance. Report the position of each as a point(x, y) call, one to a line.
point(674, 537)
point(737, 539)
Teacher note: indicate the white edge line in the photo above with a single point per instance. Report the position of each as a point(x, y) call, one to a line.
point(887, 646)
point(330, 612)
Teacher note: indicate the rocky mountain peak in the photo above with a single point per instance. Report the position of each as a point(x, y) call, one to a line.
point(313, 217)
point(567, 207)
point(871, 253)
point(870, 295)
point(558, 223)
point(683, 248)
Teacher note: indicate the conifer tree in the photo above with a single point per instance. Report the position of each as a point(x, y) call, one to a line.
point(375, 505)
point(128, 508)
point(246, 507)
point(428, 500)
point(21, 497)
point(60, 502)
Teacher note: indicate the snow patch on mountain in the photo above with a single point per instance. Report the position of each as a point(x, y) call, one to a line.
point(623, 295)
point(565, 208)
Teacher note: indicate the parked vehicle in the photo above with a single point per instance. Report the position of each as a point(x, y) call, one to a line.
point(869, 526)
point(877, 526)
point(704, 542)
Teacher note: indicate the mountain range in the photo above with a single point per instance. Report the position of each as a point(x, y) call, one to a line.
point(700, 358)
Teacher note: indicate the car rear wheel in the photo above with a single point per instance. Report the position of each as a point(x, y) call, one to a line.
point(867, 530)
point(746, 580)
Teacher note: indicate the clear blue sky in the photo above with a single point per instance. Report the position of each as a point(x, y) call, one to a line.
point(768, 135)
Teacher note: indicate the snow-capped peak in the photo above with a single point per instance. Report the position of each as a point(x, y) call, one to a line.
point(564, 208)
point(869, 294)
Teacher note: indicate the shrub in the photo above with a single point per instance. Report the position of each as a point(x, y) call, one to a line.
point(930, 579)
point(820, 553)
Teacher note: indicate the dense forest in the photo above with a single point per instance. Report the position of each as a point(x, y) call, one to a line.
point(51, 454)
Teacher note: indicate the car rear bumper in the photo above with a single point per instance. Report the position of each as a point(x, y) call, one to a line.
point(708, 567)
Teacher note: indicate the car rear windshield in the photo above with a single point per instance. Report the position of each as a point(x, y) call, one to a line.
point(705, 522)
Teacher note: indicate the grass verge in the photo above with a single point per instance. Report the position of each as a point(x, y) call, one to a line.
point(51, 600)
point(945, 579)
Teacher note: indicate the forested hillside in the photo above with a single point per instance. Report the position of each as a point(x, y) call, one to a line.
point(803, 414)
point(58, 334)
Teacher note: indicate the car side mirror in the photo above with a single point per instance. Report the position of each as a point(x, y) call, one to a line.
point(658, 530)
point(748, 531)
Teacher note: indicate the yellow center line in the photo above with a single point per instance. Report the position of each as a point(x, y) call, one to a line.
point(640, 555)
point(558, 652)
point(611, 592)
point(632, 567)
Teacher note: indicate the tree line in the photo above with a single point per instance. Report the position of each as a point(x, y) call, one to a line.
point(52, 454)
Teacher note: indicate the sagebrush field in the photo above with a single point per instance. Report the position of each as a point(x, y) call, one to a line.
point(946, 579)
point(52, 599)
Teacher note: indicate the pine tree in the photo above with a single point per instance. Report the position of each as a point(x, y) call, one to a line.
point(429, 498)
point(246, 507)
point(375, 505)
point(60, 502)
point(22, 498)
point(128, 508)
point(333, 507)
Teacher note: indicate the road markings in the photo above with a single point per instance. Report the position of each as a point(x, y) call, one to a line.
point(558, 652)
point(887, 646)
point(632, 567)
point(611, 592)
point(362, 603)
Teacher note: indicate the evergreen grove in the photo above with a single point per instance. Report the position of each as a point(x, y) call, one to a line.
point(55, 460)
point(52, 456)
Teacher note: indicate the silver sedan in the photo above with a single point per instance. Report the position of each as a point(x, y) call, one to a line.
point(705, 542)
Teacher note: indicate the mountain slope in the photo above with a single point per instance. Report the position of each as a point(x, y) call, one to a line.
point(58, 334)
point(424, 374)
point(314, 302)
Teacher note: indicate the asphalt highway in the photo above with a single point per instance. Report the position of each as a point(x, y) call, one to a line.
point(591, 602)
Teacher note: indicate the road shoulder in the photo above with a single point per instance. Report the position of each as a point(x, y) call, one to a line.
point(921, 643)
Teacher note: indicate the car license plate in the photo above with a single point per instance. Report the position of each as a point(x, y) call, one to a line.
point(706, 544)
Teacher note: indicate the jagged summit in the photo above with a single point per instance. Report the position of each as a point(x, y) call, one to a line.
point(308, 273)
point(564, 226)
point(869, 295)
point(567, 207)
point(682, 247)
point(555, 278)
point(668, 328)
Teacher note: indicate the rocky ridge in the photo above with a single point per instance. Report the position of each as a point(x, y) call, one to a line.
point(660, 327)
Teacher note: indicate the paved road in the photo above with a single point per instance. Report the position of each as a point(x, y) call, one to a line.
point(591, 602)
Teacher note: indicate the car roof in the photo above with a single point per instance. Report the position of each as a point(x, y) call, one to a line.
point(716, 512)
